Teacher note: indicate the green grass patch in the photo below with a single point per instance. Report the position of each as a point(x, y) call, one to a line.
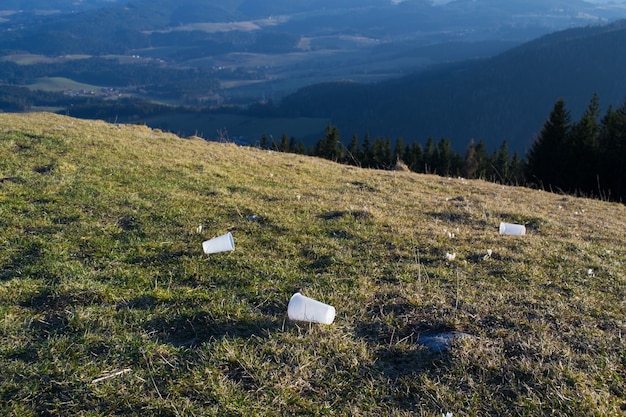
point(60, 84)
point(31, 59)
point(109, 307)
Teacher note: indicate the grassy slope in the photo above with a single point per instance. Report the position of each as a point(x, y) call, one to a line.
point(58, 84)
point(101, 271)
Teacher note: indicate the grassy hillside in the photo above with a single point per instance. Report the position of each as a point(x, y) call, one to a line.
point(60, 84)
point(109, 307)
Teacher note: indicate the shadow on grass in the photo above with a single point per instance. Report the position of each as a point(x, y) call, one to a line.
point(338, 214)
point(364, 187)
point(49, 300)
point(194, 330)
point(409, 347)
point(55, 308)
point(12, 180)
point(459, 218)
point(25, 258)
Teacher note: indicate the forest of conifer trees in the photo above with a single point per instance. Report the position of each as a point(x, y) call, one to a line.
point(584, 158)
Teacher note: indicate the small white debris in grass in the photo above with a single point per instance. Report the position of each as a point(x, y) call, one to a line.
point(450, 256)
point(590, 272)
point(111, 375)
point(199, 229)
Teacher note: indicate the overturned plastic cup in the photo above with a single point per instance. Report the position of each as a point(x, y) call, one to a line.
point(303, 308)
point(219, 244)
point(512, 229)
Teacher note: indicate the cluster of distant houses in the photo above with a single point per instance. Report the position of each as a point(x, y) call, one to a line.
point(105, 92)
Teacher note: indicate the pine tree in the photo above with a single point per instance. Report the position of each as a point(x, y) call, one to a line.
point(430, 157)
point(612, 142)
point(414, 157)
point(398, 151)
point(354, 156)
point(275, 146)
point(447, 161)
point(545, 157)
point(263, 144)
point(483, 161)
point(284, 143)
point(381, 153)
point(582, 156)
point(366, 159)
point(501, 163)
point(292, 145)
point(387, 161)
point(329, 146)
point(470, 163)
point(516, 170)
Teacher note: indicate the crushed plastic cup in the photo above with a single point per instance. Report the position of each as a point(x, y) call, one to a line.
point(512, 229)
point(219, 244)
point(303, 308)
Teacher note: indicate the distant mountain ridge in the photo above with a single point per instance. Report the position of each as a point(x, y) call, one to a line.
point(507, 97)
point(412, 68)
point(123, 27)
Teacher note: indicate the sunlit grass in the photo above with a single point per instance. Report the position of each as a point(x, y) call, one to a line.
point(109, 306)
point(60, 84)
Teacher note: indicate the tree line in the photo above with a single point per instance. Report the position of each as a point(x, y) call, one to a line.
point(586, 157)
point(433, 158)
point(436, 157)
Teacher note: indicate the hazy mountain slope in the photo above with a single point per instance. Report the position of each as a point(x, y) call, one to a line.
point(57, 6)
point(110, 307)
point(411, 19)
point(242, 52)
point(505, 97)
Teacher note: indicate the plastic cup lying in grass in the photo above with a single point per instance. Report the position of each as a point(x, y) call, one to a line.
point(219, 244)
point(303, 308)
point(512, 229)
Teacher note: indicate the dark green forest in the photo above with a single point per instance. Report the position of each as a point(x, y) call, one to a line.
point(584, 157)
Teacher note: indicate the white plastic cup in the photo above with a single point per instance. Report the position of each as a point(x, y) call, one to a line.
point(512, 229)
point(303, 308)
point(219, 244)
